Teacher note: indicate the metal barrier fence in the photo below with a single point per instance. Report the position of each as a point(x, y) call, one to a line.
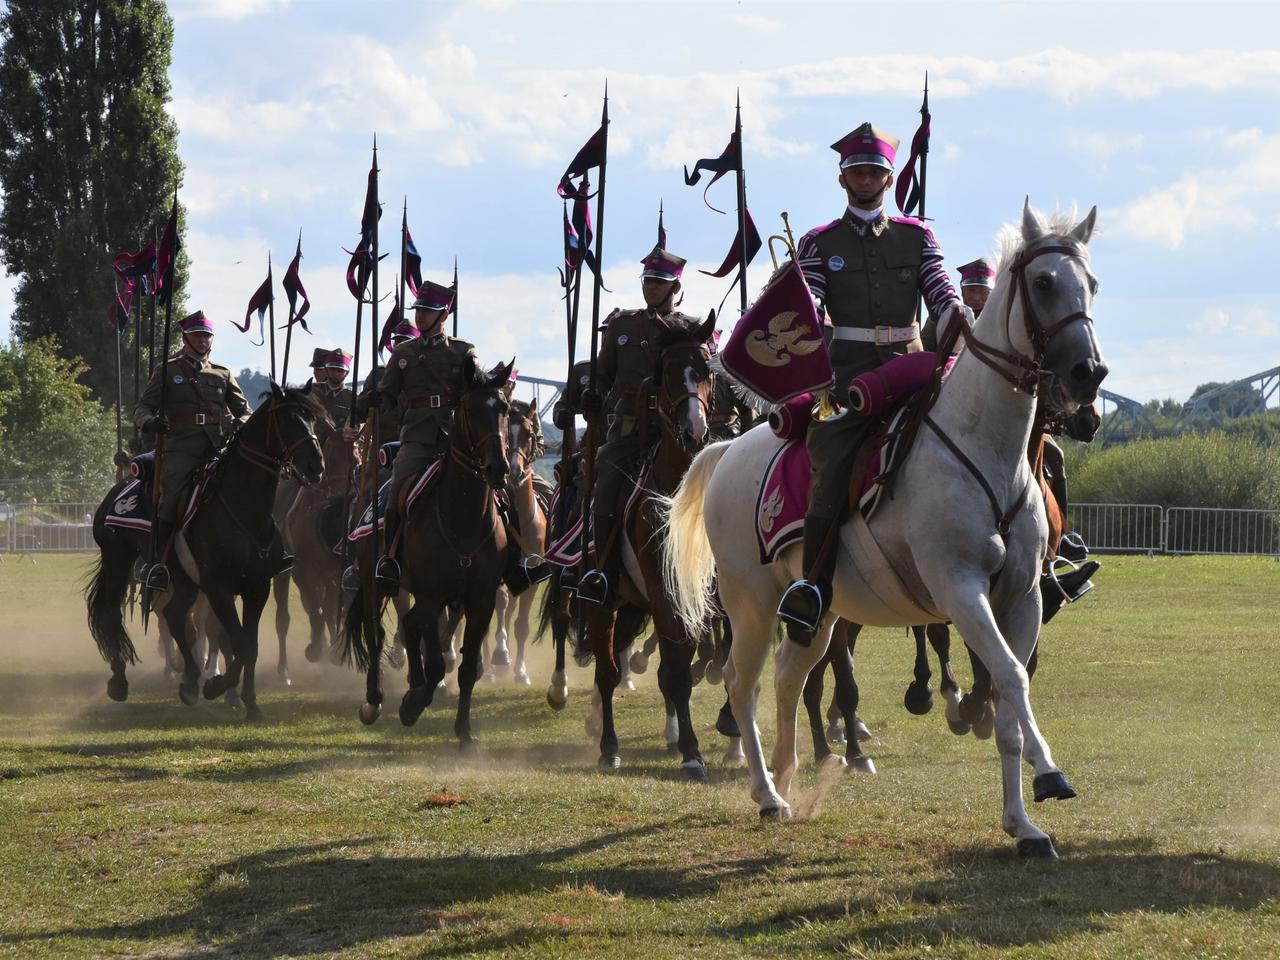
point(1106, 528)
point(46, 527)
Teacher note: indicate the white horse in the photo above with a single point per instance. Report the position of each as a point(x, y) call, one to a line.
point(965, 539)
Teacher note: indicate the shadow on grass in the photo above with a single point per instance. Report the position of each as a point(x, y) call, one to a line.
point(332, 897)
point(990, 896)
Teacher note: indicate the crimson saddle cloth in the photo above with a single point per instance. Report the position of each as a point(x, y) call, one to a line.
point(133, 507)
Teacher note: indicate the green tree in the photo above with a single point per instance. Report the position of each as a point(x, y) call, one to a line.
point(88, 163)
point(56, 440)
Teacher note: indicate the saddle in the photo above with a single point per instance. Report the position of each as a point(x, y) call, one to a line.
point(134, 505)
point(567, 549)
point(409, 493)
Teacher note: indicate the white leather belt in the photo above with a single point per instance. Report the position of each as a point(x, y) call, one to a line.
point(880, 336)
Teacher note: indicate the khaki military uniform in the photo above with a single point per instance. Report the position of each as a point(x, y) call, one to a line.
point(203, 403)
point(872, 280)
point(424, 380)
point(571, 398)
point(729, 415)
point(390, 415)
point(629, 354)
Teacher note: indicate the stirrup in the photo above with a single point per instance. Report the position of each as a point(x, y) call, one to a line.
point(351, 579)
point(286, 564)
point(157, 578)
point(1072, 548)
point(802, 597)
point(387, 575)
point(536, 566)
point(593, 587)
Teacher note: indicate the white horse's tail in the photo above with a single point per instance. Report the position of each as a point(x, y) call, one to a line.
point(688, 565)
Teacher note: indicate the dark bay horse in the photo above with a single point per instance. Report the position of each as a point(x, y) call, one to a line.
point(230, 548)
point(681, 385)
point(455, 550)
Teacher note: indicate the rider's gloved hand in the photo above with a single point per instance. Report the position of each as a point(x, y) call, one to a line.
point(156, 424)
point(562, 417)
point(592, 402)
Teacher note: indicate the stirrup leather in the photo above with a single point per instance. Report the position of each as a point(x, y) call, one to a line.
point(594, 586)
point(798, 596)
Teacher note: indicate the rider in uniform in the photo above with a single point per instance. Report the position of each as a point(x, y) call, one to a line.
point(729, 415)
point(867, 271)
point(629, 352)
point(203, 404)
point(329, 369)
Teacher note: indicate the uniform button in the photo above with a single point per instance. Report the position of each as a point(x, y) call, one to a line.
point(879, 304)
point(876, 285)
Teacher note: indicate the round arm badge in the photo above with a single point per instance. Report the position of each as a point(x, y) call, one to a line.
point(177, 378)
point(835, 263)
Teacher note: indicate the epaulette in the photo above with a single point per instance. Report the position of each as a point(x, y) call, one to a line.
point(913, 222)
point(615, 312)
point(463, 345)
point(215, 366)
point(816, 231)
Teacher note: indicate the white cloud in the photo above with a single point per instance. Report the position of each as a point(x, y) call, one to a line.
point(1104, 146)
point(223, 9)
point(756, 23)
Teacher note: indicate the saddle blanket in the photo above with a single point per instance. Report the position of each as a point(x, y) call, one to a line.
point(784, 495)
point(567, 550)
point(364, 526)
point(133, 507)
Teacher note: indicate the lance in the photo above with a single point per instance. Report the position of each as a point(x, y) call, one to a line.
point(924, 151)
point(158, 472)
point(589, 458)
point(455, 297)
point(120, 325)
point(151, 312)
point(742, 208)
point(271, 318)
point(288, 332)
point(403, 280)
point(137, 352)
point(372, 473)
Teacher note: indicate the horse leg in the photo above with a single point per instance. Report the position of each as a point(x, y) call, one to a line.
point(813, 707)
point(847, 696)
point(558, 689)
point(677, 658)
point(280, 588)
point(976, 707)
point(468, 670)
point(919, 696)
point(792, 665)
point(524, 606)
point(174, 616)
point(420, 628)
point(223, 605)
point(940, 639)
point(671, 727)
point(255, 601)
point(640, 658)
point(600, 625)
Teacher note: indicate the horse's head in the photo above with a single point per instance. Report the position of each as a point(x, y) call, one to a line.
point(522, 438)
point(1052, 289)
point(292, 416)
point(682, 383)
point(482, 423)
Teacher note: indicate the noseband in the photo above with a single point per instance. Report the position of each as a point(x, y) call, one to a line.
point(668, 411)
point(1026, 372)
point(472, 461)
point(264, 459)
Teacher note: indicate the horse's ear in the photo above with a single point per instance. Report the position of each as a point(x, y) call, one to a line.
point(1032, 225)
point(1083, 230)
point(276, 392)
point(502, 375)
point(533, 408)
point(308, 385)
point(707, 329)
point(470, 372)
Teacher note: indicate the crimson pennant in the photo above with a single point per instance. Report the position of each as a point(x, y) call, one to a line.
point(727, 162)
point(167, 256)
point(734, 257)
point(293, 289)
point(259, 302)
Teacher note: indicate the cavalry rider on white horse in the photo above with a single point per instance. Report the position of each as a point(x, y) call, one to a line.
point(867, 271)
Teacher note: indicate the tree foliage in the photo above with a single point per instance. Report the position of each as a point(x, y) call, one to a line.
point(88, 163)
point(56, 440)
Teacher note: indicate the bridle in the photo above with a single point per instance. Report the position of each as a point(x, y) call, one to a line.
point(263, 458)
point(668, 411)
point(471, 460)
point(523, 452)
point(1025, 373)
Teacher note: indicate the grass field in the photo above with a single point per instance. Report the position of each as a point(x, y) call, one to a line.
point(151, 829)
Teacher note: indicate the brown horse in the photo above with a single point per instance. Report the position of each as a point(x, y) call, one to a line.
point(455, 550)
point(682, 388)
point(230, 548)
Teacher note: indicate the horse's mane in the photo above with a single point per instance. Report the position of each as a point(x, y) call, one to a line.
point(1009, 239)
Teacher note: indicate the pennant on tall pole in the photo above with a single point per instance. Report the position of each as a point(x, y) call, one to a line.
point(591, 155)
point(293, 289)
point(258, 303)
point(728, 162)
point(742, 252)
point(909, 192)
point(662, 231)
point(167, 256)
point(133, 268)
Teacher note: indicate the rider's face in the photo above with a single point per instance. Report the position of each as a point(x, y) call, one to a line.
point(865, 183)
point(658, 292)
point(199, 343)
point(975, 297)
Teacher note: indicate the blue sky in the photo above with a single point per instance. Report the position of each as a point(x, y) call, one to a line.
point(1163, 114)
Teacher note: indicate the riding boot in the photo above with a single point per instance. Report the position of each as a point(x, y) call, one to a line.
point(806, 601)
point(1072, 547)
point(157, 577)
point(514, 574)
point(600, 584)
point(386, 573)
point(1067, 588)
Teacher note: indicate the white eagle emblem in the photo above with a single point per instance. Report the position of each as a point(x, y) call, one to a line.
point(782, 342)
point(127, 505)
point(770, 509)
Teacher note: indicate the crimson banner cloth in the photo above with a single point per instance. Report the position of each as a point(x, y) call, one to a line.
point(776, 350)
point(293, 289)
point(258, 303)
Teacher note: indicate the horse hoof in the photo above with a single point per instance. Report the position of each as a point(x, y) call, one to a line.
point(715, 674)
point(959, 727)
point(313, 652)
point(469, 749)
point(697, 671)
point(556, 699)
point(285, 678)
point(918, 699)
point(971, 708)
point(215, 687)
point(232, 699)
point(501, 657)
point(118, 689)
point(1052, 786)
point(835, 733)
point(521, 679)
point(861, 731)
point(628, 684)
point(639, 662)
point(984, 728)
point(694, 771)
point(734, 757)
point(412, 704)
point(189, 694)
point(727, 724)
point(369, 713)
point(862, 765)
point(1037, 848)
point(781, 813)
point(254, 714)
point(609, 762)
point(832, 761)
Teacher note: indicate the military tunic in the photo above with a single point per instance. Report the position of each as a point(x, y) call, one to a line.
point(867, 276)
point(424, 378)
point(729, 416)
point(203, 402)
